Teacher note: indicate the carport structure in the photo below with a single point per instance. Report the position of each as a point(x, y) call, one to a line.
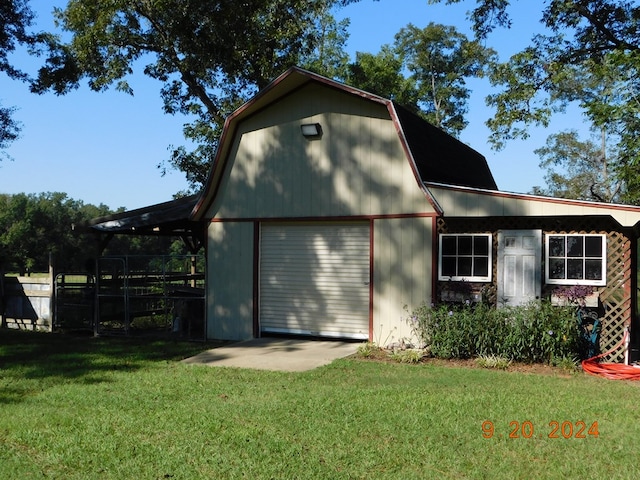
point(150, 293)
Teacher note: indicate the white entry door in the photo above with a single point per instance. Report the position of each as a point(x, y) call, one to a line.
point(314, 279)
point(519, 266)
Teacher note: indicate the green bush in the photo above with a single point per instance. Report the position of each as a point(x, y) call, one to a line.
point(407, 356)
point(493, 361)
point(536, 332)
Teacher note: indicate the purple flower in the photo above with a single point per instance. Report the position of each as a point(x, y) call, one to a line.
point(550, 332)
point(450, 313)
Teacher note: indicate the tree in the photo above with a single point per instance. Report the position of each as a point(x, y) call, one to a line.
point(9, 128)
point(593, 40)
point(438, 59)
point(382, 74)
point(578, 169)
point(33, 226)
point(15, 18)
point(328, 56)
point(209, 56)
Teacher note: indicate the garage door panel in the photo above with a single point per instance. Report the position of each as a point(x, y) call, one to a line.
point(314, 279)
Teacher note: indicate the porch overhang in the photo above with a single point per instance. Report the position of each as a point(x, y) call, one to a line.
point(163, 219)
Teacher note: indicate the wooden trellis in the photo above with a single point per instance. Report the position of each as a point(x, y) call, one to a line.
point(615, 297)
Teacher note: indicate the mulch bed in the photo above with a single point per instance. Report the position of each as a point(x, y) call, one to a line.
point(531, 368)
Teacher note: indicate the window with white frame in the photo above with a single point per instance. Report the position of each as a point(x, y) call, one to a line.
point(465, 257)
point(576, 259)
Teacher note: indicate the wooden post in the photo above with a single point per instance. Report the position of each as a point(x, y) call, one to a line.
point(193, 271)
point(2, 319)
point(52, 293)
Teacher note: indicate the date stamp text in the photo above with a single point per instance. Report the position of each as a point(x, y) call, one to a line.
point(555, 429)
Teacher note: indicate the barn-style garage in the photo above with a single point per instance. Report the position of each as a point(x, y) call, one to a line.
point(319, 222)
point(328, 210)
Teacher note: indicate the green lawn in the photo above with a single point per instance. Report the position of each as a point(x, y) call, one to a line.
point(84, 408)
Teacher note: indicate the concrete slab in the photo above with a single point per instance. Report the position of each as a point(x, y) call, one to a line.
point(282, 354)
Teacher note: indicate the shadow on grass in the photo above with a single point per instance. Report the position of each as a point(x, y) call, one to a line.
point(32, 361)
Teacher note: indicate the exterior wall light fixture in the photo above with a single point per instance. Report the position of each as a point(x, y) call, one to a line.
point(311, 130)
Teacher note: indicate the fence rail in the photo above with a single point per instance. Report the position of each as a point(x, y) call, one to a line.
point(163, 295)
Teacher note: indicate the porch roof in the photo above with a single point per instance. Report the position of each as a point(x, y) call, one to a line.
point(163, 219)
point(456, 201)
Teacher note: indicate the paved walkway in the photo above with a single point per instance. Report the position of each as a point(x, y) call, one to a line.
point(283, 354)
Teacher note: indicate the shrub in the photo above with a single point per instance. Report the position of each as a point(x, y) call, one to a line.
point(407, 356)
point(493, 361)
point(370, 350)
point(536, 332)
point(569, 364)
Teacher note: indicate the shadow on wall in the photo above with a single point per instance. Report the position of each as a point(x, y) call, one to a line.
point(26, 303)
point(278, 176)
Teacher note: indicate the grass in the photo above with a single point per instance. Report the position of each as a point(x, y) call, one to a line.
point(85, 408)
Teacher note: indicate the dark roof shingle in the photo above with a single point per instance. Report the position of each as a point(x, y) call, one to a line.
point(440, 157)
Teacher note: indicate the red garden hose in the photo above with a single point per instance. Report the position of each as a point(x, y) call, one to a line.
point(613, 371)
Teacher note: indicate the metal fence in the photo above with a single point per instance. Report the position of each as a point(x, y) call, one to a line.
point(126, 295)
point(150, 295)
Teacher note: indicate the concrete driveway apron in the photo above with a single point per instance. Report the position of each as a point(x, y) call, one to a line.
point(282, 354)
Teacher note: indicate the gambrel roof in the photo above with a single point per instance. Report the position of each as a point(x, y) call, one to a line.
point(433, 155)
point(455, 178)
point(441, 158)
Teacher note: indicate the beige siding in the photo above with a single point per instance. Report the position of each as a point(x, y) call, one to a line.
point(357, 167)
point(463, 203)
point(230, 281)
point(402, 274)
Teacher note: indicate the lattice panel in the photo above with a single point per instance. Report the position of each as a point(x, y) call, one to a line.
point(616, 296)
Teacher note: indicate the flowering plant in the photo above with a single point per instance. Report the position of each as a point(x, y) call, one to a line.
point(574, 293)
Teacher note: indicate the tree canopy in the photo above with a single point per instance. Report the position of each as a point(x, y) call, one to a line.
point(33, 226)
point(208, 58)
point(579, 169)
point(425, 70)
point(589, 54)
point(440, 60)
point(15, 18)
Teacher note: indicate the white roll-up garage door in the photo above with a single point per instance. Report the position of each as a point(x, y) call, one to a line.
point(314, 279)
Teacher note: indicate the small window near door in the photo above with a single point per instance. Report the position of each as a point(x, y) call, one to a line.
point(465, 257)
point(574, 259)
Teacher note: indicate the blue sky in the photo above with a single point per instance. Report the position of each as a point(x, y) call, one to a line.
point(105, 147)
